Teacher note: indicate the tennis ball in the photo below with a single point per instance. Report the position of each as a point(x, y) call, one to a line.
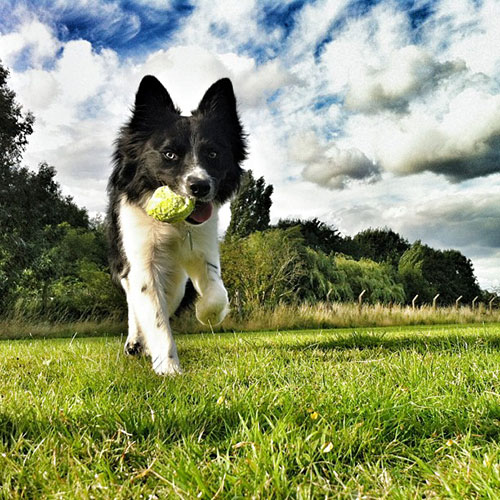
point(166, 206)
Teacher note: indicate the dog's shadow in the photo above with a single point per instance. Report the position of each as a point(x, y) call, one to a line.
point(381, 341)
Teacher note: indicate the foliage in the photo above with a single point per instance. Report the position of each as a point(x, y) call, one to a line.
point(377, 279)
point(69, 278)
point(14, 127)
point(427, 272)
point(380, 245)
point(323, 280)
point(250, 207)
point(317, 234)
point(31, 208)
point(276, 266)
point(265, 268)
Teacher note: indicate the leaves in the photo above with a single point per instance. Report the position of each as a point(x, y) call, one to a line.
point(250, 207)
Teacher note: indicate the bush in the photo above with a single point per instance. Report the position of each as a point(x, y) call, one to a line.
point(265, 268)
point(377, 279)
point(275, 267)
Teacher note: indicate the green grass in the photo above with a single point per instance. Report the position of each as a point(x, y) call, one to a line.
point(410, 412)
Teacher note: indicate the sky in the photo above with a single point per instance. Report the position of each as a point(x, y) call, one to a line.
point(362, 113)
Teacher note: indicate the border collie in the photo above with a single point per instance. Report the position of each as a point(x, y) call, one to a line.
point(198, 156)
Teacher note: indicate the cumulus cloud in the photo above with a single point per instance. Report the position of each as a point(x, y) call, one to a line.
point(416, 108)
point(223, 27)
point(463, 221)
point(458, 138)
point(329, 166)
point(409, 74)
point(34, 42)
point(186, 80)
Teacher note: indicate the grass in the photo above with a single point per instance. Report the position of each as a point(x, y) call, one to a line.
point(283, 317)
point(343, 315)
point(402, 412)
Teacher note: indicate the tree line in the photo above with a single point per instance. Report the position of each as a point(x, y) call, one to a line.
point(298, 260)
point(53, 257)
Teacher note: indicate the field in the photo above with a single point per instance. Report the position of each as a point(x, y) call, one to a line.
point(395, 412)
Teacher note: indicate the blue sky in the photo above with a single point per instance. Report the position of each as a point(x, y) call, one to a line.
point(362, 113)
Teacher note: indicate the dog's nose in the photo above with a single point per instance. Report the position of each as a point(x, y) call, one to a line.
point(199, 187)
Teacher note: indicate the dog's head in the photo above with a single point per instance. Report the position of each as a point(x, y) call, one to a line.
point(198, 156)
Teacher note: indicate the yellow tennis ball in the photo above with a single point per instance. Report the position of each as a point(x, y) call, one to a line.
point(166, 206)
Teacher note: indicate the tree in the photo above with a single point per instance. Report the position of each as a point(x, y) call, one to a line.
point(69, 277)
point(427, 272)
point(461, 278)
point(317, 234)
point(14, 126)
point(378, 279)
point(380, 245)
point(250, 207)
point(29, 201)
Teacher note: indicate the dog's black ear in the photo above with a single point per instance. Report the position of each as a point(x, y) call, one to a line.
point(219, 104)
point(219, 99)
point(152, 102)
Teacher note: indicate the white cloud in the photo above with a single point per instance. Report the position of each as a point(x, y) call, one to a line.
point(222, 27)
point(410, 73)
point(415, 108)
point(329, 166)
point(469, 31)
point(35, 41)
point(461, 142)
point(313, 23)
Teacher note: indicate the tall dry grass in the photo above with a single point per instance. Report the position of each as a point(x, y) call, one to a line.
point(18, 329)
point(283, 317)
point(341, 315)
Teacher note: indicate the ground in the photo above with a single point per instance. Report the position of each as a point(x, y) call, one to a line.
point(407, 412)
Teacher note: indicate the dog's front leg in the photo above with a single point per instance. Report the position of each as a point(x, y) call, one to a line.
point(134, 344)
point(145, 287)
point(204, 270)
point(147, 294)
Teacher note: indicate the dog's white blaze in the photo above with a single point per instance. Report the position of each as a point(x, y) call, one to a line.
point(198, 173)
point(161, 256)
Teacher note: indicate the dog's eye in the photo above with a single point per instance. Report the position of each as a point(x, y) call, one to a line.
point(170, 155)
point(212, 155)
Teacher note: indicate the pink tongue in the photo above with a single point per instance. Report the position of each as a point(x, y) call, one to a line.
point(202, 212)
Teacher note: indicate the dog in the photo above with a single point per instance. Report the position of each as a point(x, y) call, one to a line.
point(197, 156)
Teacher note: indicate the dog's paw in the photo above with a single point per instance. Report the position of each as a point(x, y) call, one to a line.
point(167, 365)
point(212, 307)
point(133, 348)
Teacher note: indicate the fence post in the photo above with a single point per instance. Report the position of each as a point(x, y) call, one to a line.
point(474, 302)
point(413, 301)
point(434, 300)
point(238, 304)
point(457, 301)
point(360, 299)
point(490, 304)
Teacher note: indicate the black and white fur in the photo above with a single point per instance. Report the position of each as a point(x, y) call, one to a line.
point(197, 156)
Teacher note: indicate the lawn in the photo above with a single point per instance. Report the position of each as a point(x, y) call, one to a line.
point(407, 412)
